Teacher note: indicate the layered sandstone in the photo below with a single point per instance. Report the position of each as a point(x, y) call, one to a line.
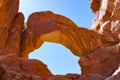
point(12, 67)
point(105, 60)
point(8, 11)
point(47, 26)
point(98, 47)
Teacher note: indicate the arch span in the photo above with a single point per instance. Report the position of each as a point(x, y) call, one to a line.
point(47, 26)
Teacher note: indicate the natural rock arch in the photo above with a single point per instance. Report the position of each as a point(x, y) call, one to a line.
point(98, 48)
point(47, 26)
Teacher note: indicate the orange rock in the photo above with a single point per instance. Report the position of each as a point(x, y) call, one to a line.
point(11, 76)
point(98, 48)
point(102, 61)
point(2, 71)
point(45, 22)
point(35, 68)
point(8, 11)
point(115, 75)
point(14, 67)
point(91, 77)
point(95, 5)
point(10, 62)
point(59, 77)
point(107, 20)
point(47, 26)
point(13, 43)
point(11, 32)
point(72, 76)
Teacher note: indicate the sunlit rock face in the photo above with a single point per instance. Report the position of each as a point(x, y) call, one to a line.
point(8, 12)
point(98, 47)
point(104, 60)
point(47, 26)
point(107, 20)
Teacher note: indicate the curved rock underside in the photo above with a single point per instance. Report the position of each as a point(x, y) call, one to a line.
point(98, 47)
point(47, 26)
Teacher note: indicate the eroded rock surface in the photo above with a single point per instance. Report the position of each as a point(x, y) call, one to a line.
point(8, 11)
point(47, 26)
point(98, 47)
point(16, 68)
point(107, 20)
point(105, 60)
point(13, 42)
point(91, 77)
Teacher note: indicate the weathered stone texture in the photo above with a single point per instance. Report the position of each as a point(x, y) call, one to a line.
point(103, 61)
point(107, 20)
point(8, 11)
point(47, 26)
point(13, 42)
point(98, 47)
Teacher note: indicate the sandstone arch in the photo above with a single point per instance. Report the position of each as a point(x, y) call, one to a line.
point(47, 26)
point(99, 49)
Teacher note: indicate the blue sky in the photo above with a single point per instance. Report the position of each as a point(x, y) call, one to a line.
point(58, 58)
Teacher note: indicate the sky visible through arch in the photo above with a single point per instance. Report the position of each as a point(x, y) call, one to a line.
point(59, 59)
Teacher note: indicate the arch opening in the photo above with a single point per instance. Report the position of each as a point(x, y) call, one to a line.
point(28, 7)
point(59, 59)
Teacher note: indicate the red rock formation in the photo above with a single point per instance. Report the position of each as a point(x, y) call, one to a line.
point(8, 11)
point(58, 77)
point(13, 41)
point(35, 68)
point(91, 77)
point(95, 5)
point(99, 48)
point(107, 20)
point(47, 26)
point(115, 75)
point(106, 59)
point(11, 31)
point(103, 61)
point(14, 67)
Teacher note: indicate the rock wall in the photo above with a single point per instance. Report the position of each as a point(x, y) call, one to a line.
point(98, 47)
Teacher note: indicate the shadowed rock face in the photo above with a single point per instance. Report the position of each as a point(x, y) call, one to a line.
point(99, 47)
